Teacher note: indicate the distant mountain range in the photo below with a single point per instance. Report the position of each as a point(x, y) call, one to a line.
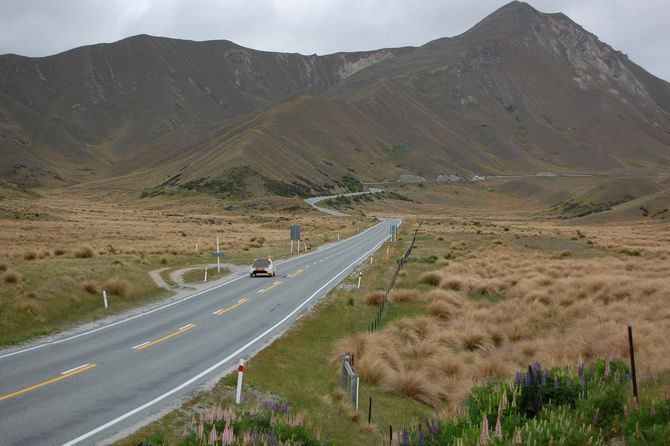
point(520, 92)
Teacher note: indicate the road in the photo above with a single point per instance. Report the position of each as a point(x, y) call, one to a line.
point(94, 385)
point(313, 201)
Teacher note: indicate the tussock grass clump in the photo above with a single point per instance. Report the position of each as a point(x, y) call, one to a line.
point(84, 252)
point(119, 287)
point(374, 297)
point(3, 267)
point(59, 252)
point(11, 276)
point(403, 295)
point(431, 278)
point(29, 255)
point(90, 288)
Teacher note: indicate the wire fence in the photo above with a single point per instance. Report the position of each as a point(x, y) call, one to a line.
point(377, 318)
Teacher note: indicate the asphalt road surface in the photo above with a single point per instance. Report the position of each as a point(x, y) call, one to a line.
point(94, 385)
point(313, 201)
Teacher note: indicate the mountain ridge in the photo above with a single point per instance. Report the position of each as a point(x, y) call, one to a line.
point(520, 92)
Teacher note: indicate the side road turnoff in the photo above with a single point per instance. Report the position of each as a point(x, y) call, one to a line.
point(85, 388)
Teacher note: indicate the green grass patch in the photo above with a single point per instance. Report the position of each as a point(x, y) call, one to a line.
point(198, 275)
point(493, 298)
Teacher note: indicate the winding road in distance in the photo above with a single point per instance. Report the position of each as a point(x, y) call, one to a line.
point(94, 385)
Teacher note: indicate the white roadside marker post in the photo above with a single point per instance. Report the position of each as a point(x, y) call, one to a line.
point(360, 275)
point(205, 274)
point(218, 259)
point(291, 246)
point(240, 374)
point(338, 236)
point(387, 249)
point(104, 298)
point(196, 248)
point(371, 257)
point(298, 246)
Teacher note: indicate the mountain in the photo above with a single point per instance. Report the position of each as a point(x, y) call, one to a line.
point(520, 92)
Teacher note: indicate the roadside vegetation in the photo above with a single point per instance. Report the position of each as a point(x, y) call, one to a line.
point(53, 270)
point(477, 303)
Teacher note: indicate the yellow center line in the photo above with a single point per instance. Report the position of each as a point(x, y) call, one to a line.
point(296, 273)
point(277, 283)
point(51, 381)
point(225, 310)
point(164, 338)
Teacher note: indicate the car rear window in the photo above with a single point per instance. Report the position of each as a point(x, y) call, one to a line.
point(262, 263)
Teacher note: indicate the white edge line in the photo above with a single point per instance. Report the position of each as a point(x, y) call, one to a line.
point(220, 363)
point(217, 312)
point(75, 369)
point(242, 300)
point(123, 321)
point(185, 326)
point(140, 345)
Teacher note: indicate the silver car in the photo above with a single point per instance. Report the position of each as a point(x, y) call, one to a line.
point(262, 266)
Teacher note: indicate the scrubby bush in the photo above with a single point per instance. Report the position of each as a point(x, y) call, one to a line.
point(374, 297)
point(59, 252)
point(30, 255)
point(84, 252)
point(11, 276)
point(90, 288)
point(119, 287)
point(431, 278)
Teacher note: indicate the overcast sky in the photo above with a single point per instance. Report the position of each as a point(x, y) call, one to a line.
point(639, 28)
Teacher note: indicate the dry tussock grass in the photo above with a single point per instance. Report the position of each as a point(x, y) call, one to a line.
point(11, 276)
point(556, 308)
point(374, 297)
point(119, 287)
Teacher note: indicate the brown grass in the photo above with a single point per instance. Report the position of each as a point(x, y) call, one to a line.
point(11, 276)
point(90, 288)
point(403, 295)
point(84, 252)
point(374, 297)
point(431, 278)
point(556, 308)
point(119, 287)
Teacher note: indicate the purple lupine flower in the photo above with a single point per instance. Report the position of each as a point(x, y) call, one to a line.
point(422, 439)
point(484, 437)
point(273, 439)
point(582, 381)
point(536, 367)
point(498, 428)
point(284, 408)
point(518, 379)
point(405, 437)
point(580, 370)
point(434, 428)
point(528, 378)
point(545, 373)
point(275, 407)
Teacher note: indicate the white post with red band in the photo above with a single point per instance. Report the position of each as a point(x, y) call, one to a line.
point(240, 373)
point(360, 276)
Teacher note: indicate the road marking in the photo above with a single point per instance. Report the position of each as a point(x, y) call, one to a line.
point(67, 372)
point(265, 290)
point(64, 375)
point(177, 302)
point(225, 310)
point(210, 369)
point(165, 338)
point(295, 274)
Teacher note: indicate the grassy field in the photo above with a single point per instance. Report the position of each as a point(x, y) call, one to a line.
point(477, 300)
point(60, 250)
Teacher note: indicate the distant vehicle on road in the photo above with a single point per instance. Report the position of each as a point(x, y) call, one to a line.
point(262, 266)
